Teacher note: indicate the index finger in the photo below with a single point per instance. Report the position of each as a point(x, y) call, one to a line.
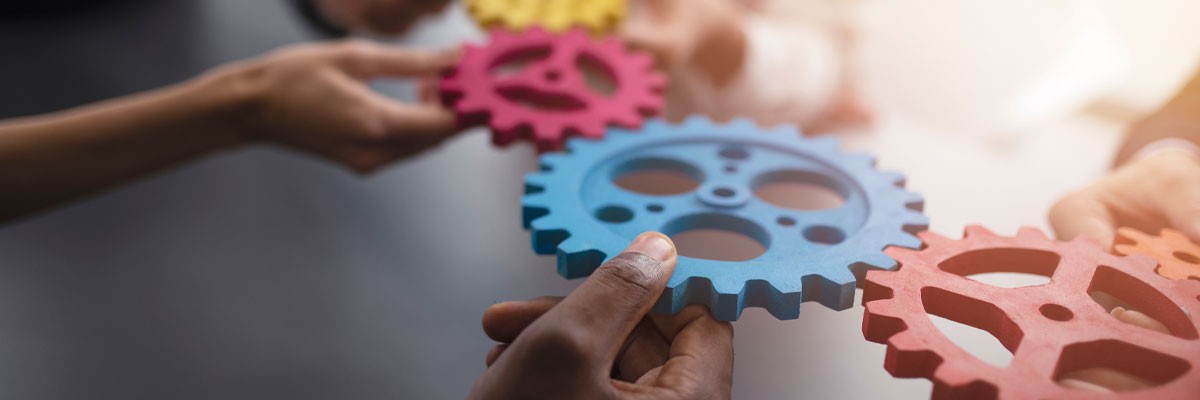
point(366, 59)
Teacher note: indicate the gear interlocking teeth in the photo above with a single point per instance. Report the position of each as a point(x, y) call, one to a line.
point(575, 209)
point(1056, 331)
point(550, 95)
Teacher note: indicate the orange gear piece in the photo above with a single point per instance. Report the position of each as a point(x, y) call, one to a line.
point(1178, 258)
point(597, 16)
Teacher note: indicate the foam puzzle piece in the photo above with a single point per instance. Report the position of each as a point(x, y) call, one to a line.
point(549, 97)
point(1178, 257)
point(1053, 329)
point(597, 16)
point(575, 210)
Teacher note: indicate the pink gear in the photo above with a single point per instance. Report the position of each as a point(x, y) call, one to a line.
point(564, 103)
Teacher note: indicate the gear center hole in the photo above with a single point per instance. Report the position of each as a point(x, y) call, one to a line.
point(1056, 312)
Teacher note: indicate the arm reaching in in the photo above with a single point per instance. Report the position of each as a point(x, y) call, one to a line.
point(1156, 184)
point(311, 97)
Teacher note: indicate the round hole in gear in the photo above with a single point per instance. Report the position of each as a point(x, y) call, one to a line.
point(731, 168)
point(655, 208)
point(724, 192)
point(799, 190)
point(1186, 257)
point(1056, 312)
point(734, 153)
point(718, 237)
point(614, 214)
point(657, 176)
point(786, 221)
point(822, 234)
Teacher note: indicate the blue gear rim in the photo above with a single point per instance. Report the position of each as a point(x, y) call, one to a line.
point(575, 210)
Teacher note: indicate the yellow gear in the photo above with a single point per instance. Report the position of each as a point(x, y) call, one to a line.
point(597, 16)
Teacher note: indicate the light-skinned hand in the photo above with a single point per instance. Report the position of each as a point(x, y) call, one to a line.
point(315, 98)
point(1158, 191)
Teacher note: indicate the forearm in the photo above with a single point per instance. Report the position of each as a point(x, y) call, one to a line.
point(1179, 118)
point(48, 159)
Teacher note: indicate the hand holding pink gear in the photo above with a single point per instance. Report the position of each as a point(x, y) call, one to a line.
point(550, 98)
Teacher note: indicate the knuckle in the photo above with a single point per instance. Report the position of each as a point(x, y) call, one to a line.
point(562, 342)
point(626, 272)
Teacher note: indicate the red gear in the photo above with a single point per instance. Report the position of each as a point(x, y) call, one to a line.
point(1178, 257)
point(1052, 329)
point(482, 96)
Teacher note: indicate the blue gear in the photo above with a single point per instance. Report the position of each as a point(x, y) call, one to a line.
point(574, 209)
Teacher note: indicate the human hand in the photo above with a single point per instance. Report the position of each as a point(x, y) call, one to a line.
point(1158, 191)
point(315, 98)
point(598, 342)
point(387, 17)
point(673, 31)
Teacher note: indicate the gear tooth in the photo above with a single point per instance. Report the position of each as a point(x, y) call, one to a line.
point(906, 341)
point(533, 207)
point(655, 125)
point(581, 144)
point(824, 143)
point(551, 161)
point(573, 245)
point(914, 201)
point(697, 124)
point(1170, 235)
point(741, 125)
point(900, 254)
point(728, 286)
point(882, 260)
point(539, 181)
point(910, 240)
point(833, 289)
point(894, 178)
point(974, 231)
point(863, 159)
point(1126, 235)
point(1031, 233)
point(933, 239)
point(784, 131)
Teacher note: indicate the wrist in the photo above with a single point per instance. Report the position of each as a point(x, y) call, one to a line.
point(227, 100)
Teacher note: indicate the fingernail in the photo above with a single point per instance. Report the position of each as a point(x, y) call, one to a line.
point(653, 244)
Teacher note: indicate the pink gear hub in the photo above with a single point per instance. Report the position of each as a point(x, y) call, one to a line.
point(550, 97)
point(1054, 330)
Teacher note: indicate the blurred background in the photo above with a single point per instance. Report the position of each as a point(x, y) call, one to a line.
point(266, 274)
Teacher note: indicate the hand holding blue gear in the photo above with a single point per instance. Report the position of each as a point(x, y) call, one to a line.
point(575, 210)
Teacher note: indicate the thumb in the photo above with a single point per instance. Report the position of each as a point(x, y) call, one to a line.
point(1083, 213)
point(615, 298)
